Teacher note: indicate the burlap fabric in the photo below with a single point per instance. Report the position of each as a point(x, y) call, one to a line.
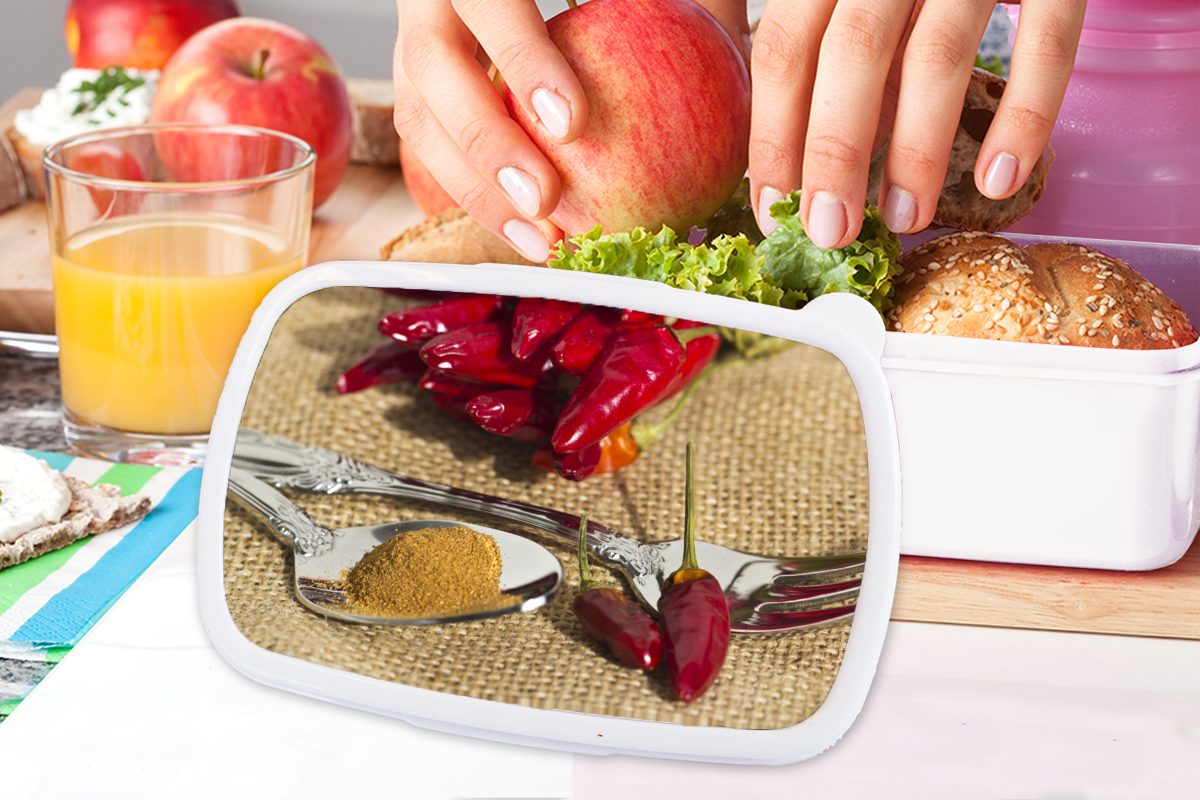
point(781, 469)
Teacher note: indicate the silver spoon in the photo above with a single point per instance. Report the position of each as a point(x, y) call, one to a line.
point(529, 572)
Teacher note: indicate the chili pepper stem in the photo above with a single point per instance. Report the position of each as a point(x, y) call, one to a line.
point(585, 573)
point(645, 434)
point(689, 512)
point(688, 334)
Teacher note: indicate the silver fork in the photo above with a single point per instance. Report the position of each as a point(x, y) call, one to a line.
point(766, 594)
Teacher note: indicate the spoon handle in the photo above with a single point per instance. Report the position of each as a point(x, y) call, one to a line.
point(286, 518)
point(288, 464)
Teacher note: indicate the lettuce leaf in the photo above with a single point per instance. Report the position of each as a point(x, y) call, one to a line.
point(786, 269)
point(863, 267)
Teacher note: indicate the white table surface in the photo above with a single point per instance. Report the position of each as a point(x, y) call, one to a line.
point(144, 707)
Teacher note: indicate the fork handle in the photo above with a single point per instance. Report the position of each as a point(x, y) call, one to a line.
point(286, 518)
point(291, 465)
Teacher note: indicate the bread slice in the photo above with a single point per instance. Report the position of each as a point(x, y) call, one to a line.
point(93, 510)
point(375, 139)
point(29, 156)
point(12, 176)
point(982, 286)
point(960, 205)
point(451, 238)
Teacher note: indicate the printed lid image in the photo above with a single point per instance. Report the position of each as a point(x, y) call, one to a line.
point(391, 510)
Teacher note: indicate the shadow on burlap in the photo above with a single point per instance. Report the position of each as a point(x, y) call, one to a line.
point(782, 469)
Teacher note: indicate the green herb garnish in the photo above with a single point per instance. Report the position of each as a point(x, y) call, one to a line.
point(111, 79)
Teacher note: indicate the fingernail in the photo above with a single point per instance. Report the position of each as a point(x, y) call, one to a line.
point(553, 111)
point(521, 189)
point(899, 210)
point(528, 240)
point(767, 197)
point(826, 219)
point(1001, 175)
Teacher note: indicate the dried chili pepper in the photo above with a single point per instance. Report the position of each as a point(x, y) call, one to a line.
point(536, 323)
point(391, 362)
point(481, 352)
point(616, 451)
point(694, 612)
point(442, 383)
point(639, 318)
point(522, 414)
point(698, 355)
point(636, 370)
point(583, 339)
point(607, 614)
point(416, 325)
point(453, 406)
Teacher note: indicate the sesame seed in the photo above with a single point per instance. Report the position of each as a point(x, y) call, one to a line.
point(1005, 304)
point(927, 327)
point(1097, 323)
point(1092, 332)
point(1116, 340)
point(1158, 323)
point(929, 318)
point(1063, 339)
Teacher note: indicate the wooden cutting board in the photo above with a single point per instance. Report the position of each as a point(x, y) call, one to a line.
point(1163, 602)
point(372, 206)
point(369, 209)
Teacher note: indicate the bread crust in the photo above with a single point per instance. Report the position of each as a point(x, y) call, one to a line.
point(12, 176)
point(982, 286)
point(374, 140)
point(960, 205)
point(451, 238)
point(29, 155)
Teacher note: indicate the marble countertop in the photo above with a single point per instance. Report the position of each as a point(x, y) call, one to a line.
point(29, 403)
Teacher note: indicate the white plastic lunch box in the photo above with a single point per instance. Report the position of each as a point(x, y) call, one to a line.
point(846, 327)
point(1038, 454)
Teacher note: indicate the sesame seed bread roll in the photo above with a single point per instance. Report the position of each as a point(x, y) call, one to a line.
point(982, 286)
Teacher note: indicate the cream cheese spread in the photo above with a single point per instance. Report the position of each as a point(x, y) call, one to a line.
point(31, 494)
point(87, 100)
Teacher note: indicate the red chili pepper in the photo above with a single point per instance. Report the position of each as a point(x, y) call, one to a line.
point(391, 362)
point(583, 339)
point(616, 451)
point(639, 318)
point(636, 370)
point(694, 613)
point(416, 325)
point(607, 614)
point(453, 406)
point(481, 352)
point(699, 354)
point(522, 414)
point(536, 322)
point(438, 382)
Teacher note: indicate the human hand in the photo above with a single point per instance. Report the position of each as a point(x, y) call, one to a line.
point(833, 78)
point(449, 112)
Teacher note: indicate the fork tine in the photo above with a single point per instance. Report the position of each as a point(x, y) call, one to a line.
point(811, 577)
point(805, 591)
point(791, 621)
point(813, 601)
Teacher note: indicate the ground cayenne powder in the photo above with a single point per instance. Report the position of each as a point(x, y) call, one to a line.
point(426, 573)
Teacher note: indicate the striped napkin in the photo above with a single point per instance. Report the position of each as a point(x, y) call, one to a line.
point(49, 602)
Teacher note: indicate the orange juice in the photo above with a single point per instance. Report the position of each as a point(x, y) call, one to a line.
point(149, 312)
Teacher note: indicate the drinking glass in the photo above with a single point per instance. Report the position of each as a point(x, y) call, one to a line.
point(164, 238)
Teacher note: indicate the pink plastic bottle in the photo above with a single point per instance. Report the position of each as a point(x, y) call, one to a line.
point(1127, 142)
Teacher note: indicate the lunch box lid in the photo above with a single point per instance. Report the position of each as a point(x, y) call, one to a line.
point(846, 326)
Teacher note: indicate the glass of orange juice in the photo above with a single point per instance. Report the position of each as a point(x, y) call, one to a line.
point(164, 238)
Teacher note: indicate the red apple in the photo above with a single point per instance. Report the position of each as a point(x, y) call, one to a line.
point(428, 194)
point(137, 33)
point(668, 115)
point(107, 160)
point(258, 72)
